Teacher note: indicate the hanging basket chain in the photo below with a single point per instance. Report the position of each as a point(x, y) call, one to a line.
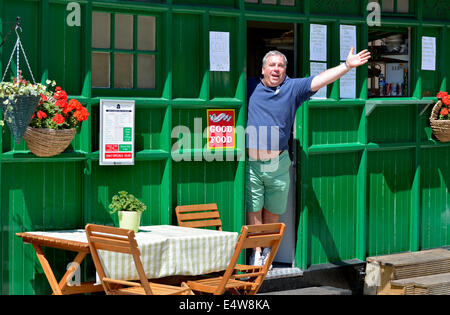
point(17, 47)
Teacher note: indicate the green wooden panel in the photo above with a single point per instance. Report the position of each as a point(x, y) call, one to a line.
point(436, 9)
point(148, 126)
point(430, 79)
point(39, 196)
point(65, 58)
point(144, 180)
point(391, 124)
point(389, 192)
point(435, 197)
point(336, 7)
point(207, 182)
point(224, 83)
point(187, 44)
point(213, 3)
point(332, 206)
point(334, 125)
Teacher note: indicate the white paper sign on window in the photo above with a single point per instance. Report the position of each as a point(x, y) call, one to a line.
point(347, 40)
point(348, 84)
point(219, 51)
point(428, 53)
point(318, 42)
point(317, 68)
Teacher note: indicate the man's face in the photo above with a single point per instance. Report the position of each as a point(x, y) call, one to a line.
point(274, 71)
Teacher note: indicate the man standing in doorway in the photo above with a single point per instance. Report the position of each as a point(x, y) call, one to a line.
point(272, 105)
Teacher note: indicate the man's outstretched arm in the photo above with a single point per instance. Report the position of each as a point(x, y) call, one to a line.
point(331, 75)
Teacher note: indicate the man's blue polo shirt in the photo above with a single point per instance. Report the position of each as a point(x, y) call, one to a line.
point(271, 111)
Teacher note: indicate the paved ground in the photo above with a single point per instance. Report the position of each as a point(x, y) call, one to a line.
point(325, 290)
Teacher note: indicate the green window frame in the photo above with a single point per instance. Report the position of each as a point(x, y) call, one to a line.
point(276, 5)
point(401, 7)
point(125, 54)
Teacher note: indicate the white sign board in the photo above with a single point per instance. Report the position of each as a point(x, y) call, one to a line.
point(428, 53)
point(116, 132)
point(318, 42)
point(347, 39)
point(347, 86)
point(316, 69)
point(219, 51)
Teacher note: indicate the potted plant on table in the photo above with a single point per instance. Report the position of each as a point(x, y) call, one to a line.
point(440, 117)
point(129, 210)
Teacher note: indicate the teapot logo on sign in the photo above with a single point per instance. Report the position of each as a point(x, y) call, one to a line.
point(221, 129)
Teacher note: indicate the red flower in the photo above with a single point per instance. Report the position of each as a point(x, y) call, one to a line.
point(41, 115)
point(444, 111)
point(73, 104)
point(61, 103)
point(441, 94)
point(81, 114)
point(61, 95)
point(59, 119)
point(446, 100)
point(43, 97)
point(58, 88)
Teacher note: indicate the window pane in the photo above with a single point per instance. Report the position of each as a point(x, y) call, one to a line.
point(100, 69)
point(123, 34)
point(123, 71)
point(146, 32)
point(287, 2)
point(269, 1)
point(403, 6)
point(101, 30)
point(146, 72)
point(388, 6)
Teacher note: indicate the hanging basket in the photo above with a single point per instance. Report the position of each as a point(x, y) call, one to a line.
point(18, 113)
point(45, 142)
point(441, 128)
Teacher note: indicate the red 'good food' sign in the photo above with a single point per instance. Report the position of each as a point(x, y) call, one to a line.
point(221, 124)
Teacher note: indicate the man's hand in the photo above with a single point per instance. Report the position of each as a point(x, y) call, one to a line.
point(331, 75)
point(359, 59)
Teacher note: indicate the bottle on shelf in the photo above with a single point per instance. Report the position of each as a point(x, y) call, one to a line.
point(405, 82)
point(382, 85)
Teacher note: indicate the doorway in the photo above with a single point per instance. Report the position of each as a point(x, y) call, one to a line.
point(261, 38)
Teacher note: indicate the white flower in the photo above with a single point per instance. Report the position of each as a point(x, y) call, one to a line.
point(48, 81)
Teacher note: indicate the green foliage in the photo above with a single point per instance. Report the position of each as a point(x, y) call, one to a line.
point(126, 202)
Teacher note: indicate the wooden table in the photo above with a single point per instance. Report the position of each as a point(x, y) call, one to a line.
point(166, 250)
point(63, 286)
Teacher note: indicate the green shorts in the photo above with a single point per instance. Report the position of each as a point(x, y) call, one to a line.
point(268, 184)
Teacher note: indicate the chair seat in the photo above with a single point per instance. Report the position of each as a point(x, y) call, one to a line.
point(244, 279)
point(210, 285)
point(157, 288)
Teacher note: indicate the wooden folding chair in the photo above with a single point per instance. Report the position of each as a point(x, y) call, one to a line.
point(114, 239)
point(244, 279)
point(196, 216)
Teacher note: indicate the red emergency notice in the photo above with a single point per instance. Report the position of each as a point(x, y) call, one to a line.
point(118, 155)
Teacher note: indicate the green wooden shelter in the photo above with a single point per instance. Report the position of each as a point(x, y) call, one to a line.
point(371, 177)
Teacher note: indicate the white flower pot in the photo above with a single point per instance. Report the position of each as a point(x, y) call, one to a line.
point(129, 220)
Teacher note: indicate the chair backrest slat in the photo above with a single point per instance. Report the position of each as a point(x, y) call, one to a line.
point(197, 216)
point(114, 239)
point(254, 236)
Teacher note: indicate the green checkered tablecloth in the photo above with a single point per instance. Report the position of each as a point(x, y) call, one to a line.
point(166, 250)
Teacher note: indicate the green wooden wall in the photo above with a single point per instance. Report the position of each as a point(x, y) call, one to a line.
point(368, 184)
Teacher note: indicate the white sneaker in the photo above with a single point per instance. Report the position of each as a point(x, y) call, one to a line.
point(265, 256)
point(256, 259)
